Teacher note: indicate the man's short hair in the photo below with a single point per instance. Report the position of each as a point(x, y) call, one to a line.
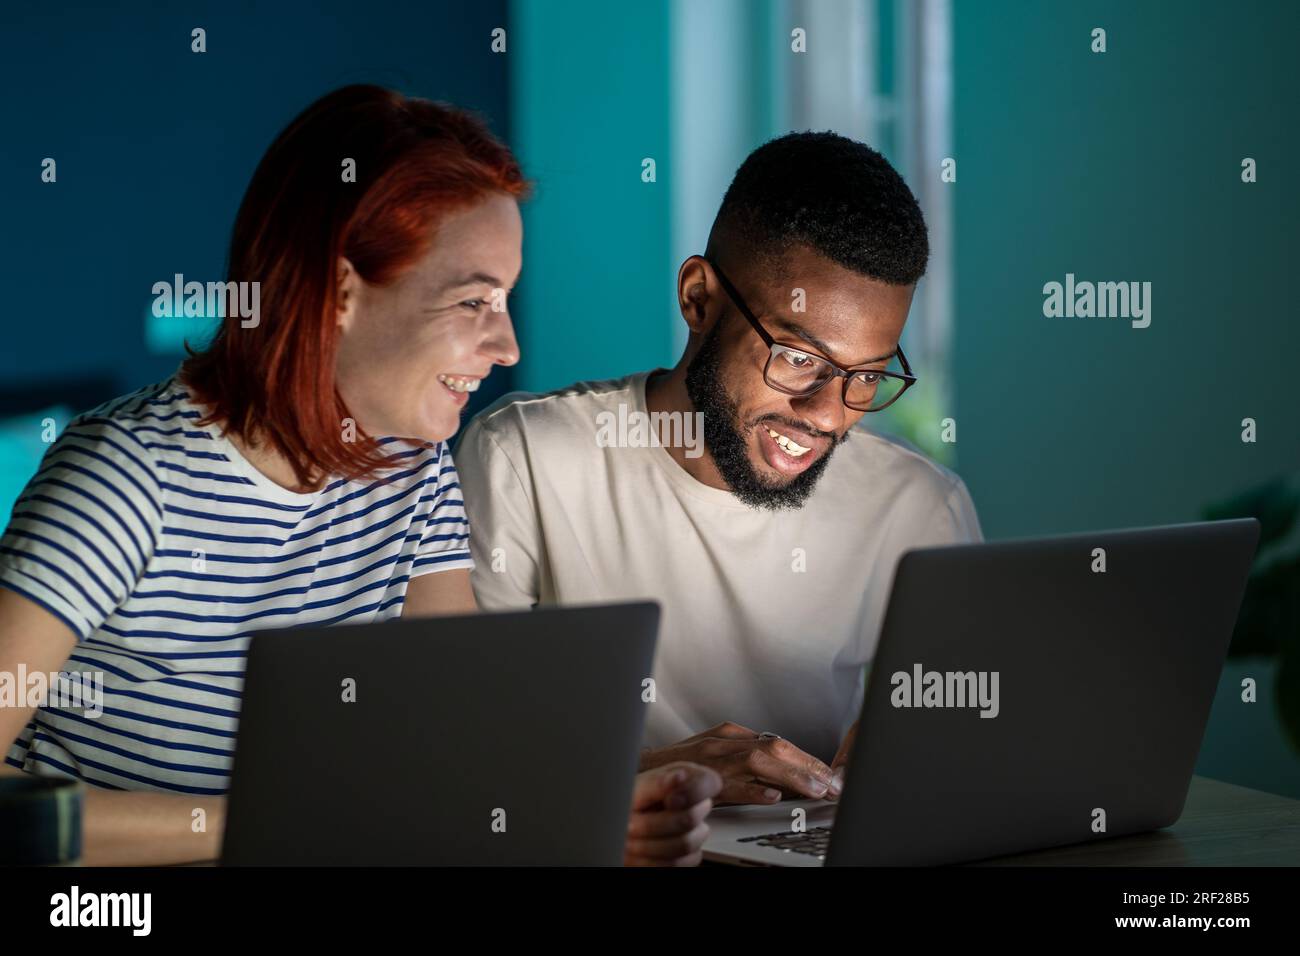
point(830, 193)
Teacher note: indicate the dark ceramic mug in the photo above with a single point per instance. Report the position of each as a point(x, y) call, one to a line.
point(40, 820)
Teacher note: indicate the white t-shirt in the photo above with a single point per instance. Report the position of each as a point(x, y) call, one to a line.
point(769, 618)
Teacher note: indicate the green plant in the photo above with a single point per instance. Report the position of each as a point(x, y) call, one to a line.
point(918, 418)
point(1269, 622)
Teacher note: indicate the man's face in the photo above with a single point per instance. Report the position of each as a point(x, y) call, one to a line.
point(849, 319)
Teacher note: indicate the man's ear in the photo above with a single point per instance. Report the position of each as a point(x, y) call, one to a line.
point(349, 288)
point(694, 296)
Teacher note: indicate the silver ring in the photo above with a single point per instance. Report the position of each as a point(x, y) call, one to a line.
point(767, 734)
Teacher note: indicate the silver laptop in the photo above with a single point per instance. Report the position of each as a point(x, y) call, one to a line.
point(484, 739)
point(1024, 695)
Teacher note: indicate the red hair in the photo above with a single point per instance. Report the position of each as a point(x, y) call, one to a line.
point(416, 162)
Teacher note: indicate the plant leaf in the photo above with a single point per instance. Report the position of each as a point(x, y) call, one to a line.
point(1270, 609)
point(1287, 688)
point(1276, 504)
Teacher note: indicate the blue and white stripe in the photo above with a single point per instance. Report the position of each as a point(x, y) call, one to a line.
point(163, 550)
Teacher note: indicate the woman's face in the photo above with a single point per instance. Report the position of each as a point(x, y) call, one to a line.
point(410, 352)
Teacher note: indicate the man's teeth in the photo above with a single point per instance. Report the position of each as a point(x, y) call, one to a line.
point(459, 384)
point(790, 447)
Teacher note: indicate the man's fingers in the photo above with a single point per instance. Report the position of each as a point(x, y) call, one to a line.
point(675, 786)
point(670, 847)
point(780, 764)
point(700, 783)
point(729, 730)
point(788, 753)
point(787, 775)
point(846, 747)
point(750, 766)
point(841, 762)
point(652, 787)
point(718, 747)
point(818, 771)
point(664, 823)
point(737, 790)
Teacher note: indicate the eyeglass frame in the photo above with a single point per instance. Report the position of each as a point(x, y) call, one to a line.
point(838, 371)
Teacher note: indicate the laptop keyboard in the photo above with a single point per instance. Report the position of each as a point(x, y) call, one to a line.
point(812, 842)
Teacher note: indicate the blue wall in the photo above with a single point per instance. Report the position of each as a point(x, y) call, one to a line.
point(155, 146)
point(591, 100)
point(1115, 166)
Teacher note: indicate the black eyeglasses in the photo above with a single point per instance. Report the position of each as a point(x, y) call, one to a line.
point(796, 372)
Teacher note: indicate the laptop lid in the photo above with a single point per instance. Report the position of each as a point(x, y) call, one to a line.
point(1085, 670)
point(483, 739)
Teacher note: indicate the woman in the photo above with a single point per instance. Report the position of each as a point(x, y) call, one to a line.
point(266, 485)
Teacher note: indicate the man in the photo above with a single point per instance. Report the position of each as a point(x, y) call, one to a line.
point(772, 548)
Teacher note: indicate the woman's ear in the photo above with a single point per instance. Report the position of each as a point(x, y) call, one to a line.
point(349, 288)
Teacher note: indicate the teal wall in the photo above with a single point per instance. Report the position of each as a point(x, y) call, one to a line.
point(590, 101)
point(1126, 166)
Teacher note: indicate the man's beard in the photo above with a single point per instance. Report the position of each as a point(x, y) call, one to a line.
point(726, 443)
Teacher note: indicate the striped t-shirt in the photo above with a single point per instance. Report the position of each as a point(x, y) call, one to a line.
point(163, 549)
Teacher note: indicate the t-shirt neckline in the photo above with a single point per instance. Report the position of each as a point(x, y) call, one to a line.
point(678, 475)
point(241, 465)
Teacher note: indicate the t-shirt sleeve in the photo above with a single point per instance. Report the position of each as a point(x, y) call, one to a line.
point(85, 526)
point(955, 521)
point(507, 533)
point(444, 543)
point(965, 523)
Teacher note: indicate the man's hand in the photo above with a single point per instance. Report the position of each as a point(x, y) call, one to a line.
point(669, 805)
point(754, 768)
point(839, 765)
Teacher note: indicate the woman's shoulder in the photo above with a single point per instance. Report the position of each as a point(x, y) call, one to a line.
point(122, 441)
point(130, 412)
point(412, 461)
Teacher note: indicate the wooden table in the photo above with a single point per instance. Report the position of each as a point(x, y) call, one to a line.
point(1222, 825)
